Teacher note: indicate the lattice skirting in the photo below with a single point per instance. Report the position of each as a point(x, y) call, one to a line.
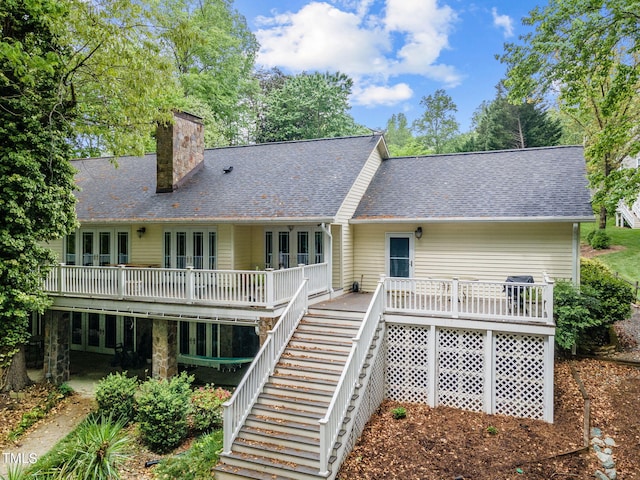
point(478, 370)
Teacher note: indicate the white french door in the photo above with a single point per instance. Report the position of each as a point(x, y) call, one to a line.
point(290, 247)
point(190, 247)
point(100, 246)
point(198, 338)
point(101, 333)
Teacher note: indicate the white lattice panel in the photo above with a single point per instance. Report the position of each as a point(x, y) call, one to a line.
point(519, 375)
point(461, 371)
point(407, 374)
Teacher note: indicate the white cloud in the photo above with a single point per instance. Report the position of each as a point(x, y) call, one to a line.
point(406, 37)
point(505, 22)
point(382, 95)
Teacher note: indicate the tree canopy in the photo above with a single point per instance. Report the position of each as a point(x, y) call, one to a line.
point(36, 178)
point(305, 106)
point(585, 53)
point(437, 125)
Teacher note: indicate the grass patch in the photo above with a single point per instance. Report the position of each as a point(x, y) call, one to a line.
point(625, 262)
point(196, 463)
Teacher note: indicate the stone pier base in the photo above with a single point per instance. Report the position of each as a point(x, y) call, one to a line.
point(265, 324)
point(56, 346)
point(165, 348)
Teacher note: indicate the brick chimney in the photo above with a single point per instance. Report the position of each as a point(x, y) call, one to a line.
point(179, 151)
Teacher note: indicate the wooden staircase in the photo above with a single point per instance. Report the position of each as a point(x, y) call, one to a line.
point(280, 439)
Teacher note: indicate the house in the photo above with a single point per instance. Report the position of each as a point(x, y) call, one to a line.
point(629, 215)
point(217, 256)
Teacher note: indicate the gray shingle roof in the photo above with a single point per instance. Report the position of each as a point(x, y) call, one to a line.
point(305, 180)
point(530, 184)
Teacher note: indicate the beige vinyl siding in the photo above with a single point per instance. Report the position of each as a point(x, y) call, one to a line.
point(347, 257)
point(359, 187)
point(57, 247)
point(337, 281)
point(225, 238)
point(147, 250)
point(242, 249)
point(483, 251)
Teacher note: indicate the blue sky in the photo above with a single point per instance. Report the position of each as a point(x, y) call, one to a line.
point(396, 51)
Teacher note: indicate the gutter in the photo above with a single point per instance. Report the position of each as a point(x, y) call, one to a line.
point(327, 230)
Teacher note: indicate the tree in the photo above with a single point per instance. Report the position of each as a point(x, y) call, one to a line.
point(36, 178)
point(118, 77)
point(587, 53)
point(309, 105)
point(397, 134)
point(501, 125)
point(213, 52)
point(437, 125)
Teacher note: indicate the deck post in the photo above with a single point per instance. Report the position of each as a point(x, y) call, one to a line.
point(270, 287)
point(60, 278)
point(189, 286)
point(121, 281)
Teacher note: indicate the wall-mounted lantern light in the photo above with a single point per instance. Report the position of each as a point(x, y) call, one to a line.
point(418, 233)
point(141, 231)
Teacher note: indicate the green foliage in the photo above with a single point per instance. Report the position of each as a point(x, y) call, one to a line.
point(491, 430)
point(585, 313)
point(599, 239)
point(501, 125)
point(437, 125)
point(162, 411)
point(115, 395)
point(614, 294)
point(95, 449)
point(587, 52)
point(196, 463)
point(36, 179)
point(307, 106)
point(206, 407)
point(399, 412)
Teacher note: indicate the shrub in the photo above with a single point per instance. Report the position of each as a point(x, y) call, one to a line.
point(115, 395)
point(196, 463)
point(206, 407)
point(162, 409)
point(586, 313)
point(599, 239)
point(399, 412)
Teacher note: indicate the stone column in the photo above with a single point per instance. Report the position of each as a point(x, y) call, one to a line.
point(264, 325)
point(165, 348)
point(56, 346)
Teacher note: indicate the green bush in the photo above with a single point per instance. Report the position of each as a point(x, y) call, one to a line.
point(206, 407)
point(586, 313)
point(162, 408)
point(599, 239)
point(115, 395)
point(196, 463)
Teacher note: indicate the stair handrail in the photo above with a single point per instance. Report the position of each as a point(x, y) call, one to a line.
point(238, 407)
point(332, 423)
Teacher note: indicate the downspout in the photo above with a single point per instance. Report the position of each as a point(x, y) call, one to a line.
point(575, 267)
point(327, 231)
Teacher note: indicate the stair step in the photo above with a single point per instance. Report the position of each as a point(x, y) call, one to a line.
point(306, 379)
point(322, 331)
point(309, 428)
point(330, 324)
point(285, 439)
point(318, 372)
point(297, 392)
point(278, 452)
point(299, 350)
point(335, 314)
point(230, 472)
point(286, 413)
point(318, 345)
point(267, 465)
point(301, 403)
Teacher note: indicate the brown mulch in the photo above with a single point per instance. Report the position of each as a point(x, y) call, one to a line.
point(446, 443)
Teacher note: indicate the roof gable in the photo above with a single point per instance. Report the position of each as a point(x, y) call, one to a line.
point(529, 184)
point(303, 180)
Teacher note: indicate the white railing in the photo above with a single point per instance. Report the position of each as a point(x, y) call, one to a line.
point(629, 215)
point(473, 299)
point(212, 287)
point(238, 407)
point(332, 423)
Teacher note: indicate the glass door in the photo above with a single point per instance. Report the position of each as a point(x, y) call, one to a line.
point(189, 248)
point(400, 255)
point(98, 247)
point(100, 333)
point(198, 338)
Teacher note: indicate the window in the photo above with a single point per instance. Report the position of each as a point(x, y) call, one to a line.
point(123, 248)
point(268, 250)
point(319, 247)
point(283, 249)
point(303, 248)
point(70, 249)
